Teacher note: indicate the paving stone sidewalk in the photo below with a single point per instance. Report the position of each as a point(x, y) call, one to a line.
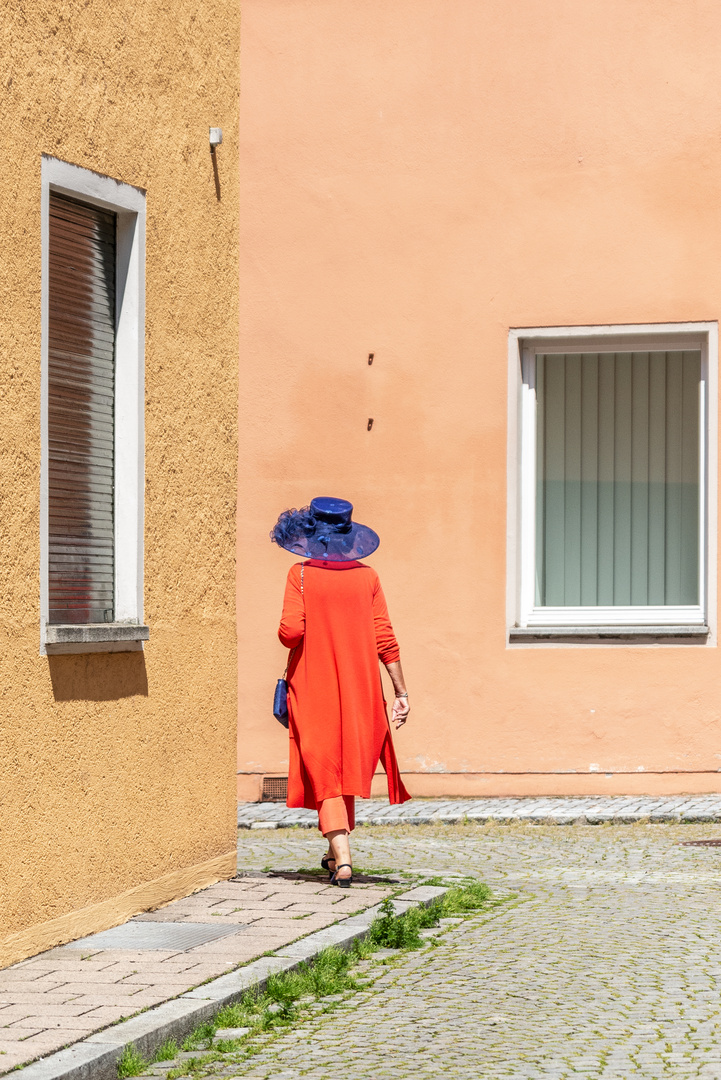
point(609, 967)
point(559, 811)
point(67, 993)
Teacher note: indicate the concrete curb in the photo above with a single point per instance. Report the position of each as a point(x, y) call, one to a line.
point(561, 810)
point(95, 1058)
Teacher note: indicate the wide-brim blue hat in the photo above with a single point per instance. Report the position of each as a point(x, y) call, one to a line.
point(324, 530)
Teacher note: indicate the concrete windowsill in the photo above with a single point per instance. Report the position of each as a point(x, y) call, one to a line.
point(606, 633)
point(92, 633)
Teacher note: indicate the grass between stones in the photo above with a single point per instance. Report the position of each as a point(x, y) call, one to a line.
point(290, 996)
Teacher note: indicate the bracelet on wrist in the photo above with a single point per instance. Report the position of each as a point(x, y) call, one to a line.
point(404, 694)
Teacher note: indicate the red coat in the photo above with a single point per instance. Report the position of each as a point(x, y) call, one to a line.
point(338, 727)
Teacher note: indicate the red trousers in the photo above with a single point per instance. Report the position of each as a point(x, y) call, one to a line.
point(336, 815)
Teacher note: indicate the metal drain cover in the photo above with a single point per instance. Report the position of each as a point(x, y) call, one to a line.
point(701, 843)
point(154, 935)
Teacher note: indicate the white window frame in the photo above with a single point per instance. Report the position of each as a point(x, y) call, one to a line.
point(128, 203)
point(524, 346)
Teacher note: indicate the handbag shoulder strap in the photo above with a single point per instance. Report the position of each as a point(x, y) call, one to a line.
point(290, 654)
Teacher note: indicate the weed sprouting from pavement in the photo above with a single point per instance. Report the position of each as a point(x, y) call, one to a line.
point(392, 931)
point(131, 1063)
point(465, 898)
point(167, 1051)
point(192, 1065)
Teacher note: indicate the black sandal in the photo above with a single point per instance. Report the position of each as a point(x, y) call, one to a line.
point(324, 863)
point(342, 883)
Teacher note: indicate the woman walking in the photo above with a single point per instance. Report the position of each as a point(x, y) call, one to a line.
point(335, 621)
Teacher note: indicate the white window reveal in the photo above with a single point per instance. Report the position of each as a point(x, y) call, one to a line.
point(614, 502)
point(92, 419)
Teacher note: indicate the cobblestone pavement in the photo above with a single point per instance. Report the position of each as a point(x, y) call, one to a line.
point(608, 966)
point(65, 994)
point(557, 811)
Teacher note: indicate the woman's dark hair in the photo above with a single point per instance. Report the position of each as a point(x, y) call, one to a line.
point(292, 524)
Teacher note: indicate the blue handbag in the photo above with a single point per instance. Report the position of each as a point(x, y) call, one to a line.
point(280, 702)
point(280, 697)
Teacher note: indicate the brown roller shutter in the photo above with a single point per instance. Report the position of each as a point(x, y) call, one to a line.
point(81, 339)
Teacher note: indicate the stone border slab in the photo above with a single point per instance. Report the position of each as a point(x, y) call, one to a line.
point(566, 810)
point(95, 1058)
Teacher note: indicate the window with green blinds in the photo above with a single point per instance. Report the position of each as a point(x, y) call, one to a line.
point(81, 351)
point(617, 479)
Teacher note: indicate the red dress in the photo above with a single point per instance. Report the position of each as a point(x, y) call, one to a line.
point(338, 726)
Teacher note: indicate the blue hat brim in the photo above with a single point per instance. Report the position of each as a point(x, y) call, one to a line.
point(329, 546)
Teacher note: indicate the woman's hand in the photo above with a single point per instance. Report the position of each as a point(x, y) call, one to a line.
point(401, 708)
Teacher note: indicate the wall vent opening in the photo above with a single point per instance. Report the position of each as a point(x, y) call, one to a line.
point(275, 789)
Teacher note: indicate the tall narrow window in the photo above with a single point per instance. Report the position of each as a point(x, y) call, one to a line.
point(81, 391)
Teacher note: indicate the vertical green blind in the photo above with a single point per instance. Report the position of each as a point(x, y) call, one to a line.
point(617, 497)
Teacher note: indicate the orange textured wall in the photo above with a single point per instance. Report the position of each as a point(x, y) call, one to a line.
point(117, 770)
point(418, 177)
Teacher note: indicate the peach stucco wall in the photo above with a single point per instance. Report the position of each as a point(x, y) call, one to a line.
point(117, 786)
point(418, 177)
